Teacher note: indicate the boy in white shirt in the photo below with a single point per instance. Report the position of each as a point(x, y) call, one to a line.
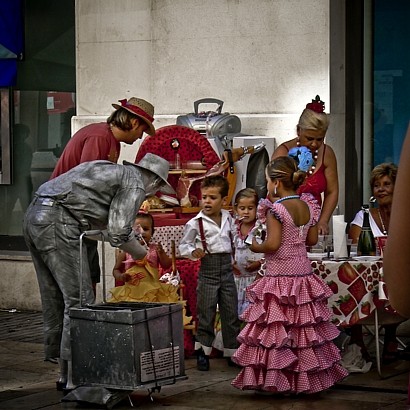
point(208, 236)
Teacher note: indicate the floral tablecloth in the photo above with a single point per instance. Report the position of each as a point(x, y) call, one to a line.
point(358, 288)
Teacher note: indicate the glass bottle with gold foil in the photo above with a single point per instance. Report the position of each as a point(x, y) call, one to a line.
point(366, 246)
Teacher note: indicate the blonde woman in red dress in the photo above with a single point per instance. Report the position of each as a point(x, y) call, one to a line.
point(322, 176)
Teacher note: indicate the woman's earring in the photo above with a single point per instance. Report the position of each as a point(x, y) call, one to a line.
point(275, 191)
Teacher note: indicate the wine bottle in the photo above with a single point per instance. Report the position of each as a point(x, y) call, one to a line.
point(366, 246)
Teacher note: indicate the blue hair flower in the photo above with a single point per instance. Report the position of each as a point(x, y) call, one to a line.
point(303, 157)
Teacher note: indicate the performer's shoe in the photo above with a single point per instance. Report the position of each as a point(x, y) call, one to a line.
point(69, 388)
point(53, 360)
point(60, 385)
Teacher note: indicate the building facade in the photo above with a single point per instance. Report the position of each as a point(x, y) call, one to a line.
point(265, 59)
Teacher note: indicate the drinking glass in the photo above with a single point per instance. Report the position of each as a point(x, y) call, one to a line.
point(328, 241)
point(319, 247)
point(349, 245)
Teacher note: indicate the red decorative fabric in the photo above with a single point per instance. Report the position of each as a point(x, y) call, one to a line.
point(188, 270)
point(193, 147)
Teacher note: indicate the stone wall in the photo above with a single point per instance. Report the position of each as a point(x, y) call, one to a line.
point(264, 58)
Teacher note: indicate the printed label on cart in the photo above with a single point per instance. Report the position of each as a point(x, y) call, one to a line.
point(165, 365)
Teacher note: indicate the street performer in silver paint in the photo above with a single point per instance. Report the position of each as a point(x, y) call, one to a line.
point(93, 195)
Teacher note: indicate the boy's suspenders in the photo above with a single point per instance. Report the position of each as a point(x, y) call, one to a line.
point(203, 240)
point(202, 233)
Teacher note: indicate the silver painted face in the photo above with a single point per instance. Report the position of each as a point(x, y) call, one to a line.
point(154, 183)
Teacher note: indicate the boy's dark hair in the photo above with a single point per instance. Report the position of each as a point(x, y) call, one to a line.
point(216, 181)
point(146, 215)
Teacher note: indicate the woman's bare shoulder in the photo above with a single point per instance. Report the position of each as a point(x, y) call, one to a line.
point(330, 156)
point(283, 149)
point(328, 150)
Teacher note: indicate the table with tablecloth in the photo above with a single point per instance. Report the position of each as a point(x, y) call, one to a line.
point(358, 288)
point(359, 298)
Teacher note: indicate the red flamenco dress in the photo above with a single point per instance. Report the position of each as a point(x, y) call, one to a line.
point(286, 344)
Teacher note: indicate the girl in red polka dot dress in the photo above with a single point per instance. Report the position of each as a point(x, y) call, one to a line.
point(286, 344)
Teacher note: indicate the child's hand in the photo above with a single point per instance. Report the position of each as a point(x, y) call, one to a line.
point(198, 253)
point(236, 270)
point(126, 277)
point(254, 245)
point(253, 266)
point(160, 249)
point(257, 277)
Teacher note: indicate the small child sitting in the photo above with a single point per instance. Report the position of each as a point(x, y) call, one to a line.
point(138, 280)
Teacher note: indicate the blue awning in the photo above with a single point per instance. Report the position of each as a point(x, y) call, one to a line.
point(11, 40)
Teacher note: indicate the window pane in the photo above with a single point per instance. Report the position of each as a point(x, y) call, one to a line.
point(41, 129)
point(391, 78)
point(5, 140)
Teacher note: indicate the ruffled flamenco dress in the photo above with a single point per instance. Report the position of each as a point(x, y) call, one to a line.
point(287, 342)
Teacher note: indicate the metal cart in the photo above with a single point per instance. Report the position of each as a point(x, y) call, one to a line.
point(126, 346)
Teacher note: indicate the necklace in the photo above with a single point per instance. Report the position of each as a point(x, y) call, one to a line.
point(315, 156)
point(381, 221)
point(288, 197)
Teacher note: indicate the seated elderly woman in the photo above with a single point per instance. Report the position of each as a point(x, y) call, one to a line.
point(382, 180)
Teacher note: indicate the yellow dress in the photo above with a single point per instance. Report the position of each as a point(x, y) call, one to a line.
point(144, 285)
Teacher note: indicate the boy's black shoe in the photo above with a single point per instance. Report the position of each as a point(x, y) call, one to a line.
point(202, 361)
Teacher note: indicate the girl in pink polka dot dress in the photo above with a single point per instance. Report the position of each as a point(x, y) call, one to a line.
point(286, 344)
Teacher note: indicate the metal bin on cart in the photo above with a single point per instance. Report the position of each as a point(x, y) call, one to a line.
point(127, 346)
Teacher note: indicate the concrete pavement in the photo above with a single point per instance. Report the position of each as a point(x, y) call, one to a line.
point(27, 382)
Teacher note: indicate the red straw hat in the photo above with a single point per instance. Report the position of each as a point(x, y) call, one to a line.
point(141, 108)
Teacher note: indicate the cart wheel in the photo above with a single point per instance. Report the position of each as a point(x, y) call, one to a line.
point(151, 391)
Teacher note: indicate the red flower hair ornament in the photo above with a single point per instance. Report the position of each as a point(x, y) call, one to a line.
point(317, 105)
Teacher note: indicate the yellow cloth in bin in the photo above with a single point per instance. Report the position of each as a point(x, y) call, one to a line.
point(145, 286)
